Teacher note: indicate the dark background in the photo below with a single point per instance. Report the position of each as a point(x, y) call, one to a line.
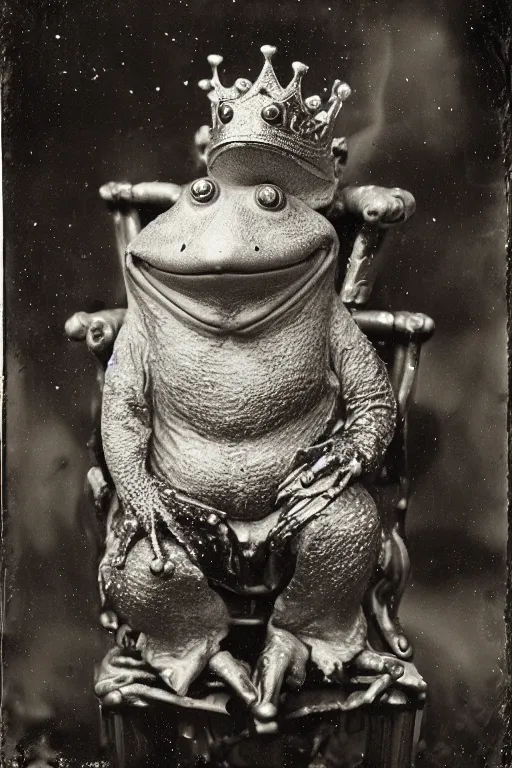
point(81, 108)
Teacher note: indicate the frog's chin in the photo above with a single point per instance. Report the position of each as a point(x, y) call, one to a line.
point(232, 301)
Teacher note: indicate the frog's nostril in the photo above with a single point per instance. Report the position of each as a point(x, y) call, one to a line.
point(183, 247)
point(256, 248)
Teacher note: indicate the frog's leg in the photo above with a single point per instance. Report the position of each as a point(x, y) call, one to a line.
point(337, 552)
point(181, 619)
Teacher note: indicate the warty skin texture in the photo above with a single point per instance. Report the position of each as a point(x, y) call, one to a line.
point(236, 353)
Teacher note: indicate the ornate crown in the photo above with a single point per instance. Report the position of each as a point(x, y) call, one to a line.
point(264, 132)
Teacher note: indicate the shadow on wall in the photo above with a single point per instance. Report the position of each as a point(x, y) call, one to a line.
point(88, 109)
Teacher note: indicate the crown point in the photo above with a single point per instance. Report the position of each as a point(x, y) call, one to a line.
point(299, 68)
point(214, 60)
point(280, 120)
point(268, 51)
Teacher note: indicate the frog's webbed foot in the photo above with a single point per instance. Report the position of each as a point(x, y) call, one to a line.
point(283, 659)
point(126, 678)
point(178, 672)
point(380, 672)
point(119, 670)
point(137, 660)
point(236, 675)
point(140, 659)
point(405, 673)
point(180, 620)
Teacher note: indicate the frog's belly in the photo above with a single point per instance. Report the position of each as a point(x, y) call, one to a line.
point(240, 478)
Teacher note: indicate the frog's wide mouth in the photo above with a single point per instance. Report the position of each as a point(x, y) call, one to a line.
point(230, 300)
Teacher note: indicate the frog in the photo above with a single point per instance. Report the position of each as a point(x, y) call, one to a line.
point(242, 409)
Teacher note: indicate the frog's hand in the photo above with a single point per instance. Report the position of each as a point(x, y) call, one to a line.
point(369, 402)
point(126, 425)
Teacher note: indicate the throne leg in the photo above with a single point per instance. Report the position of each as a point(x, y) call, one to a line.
point(159, 736)
point(392, 736)
point(156, 737)
point(135, 740)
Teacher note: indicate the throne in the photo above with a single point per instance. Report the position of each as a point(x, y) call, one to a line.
point(143, 723)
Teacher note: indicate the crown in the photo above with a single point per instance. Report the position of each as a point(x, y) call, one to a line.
point(263, 132)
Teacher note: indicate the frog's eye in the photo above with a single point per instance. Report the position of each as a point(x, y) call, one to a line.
point(269, 197)
point(203, 190)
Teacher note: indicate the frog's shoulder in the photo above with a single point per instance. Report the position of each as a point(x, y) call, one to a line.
point(134, 331)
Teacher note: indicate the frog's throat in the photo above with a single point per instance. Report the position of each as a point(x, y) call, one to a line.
point(245, 322)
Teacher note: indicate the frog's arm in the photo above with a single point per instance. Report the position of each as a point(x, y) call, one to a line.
point(370, 405)
point(126, 426)
point(358, 446)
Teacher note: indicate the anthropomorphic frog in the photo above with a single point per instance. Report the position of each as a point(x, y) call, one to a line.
point(240, 404)
point(241, 407)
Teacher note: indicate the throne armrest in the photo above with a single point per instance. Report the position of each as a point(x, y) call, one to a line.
point(405, 333)
point(380, 325)
point(158, 194)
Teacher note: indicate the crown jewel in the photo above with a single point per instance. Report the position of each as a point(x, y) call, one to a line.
point(277, 124)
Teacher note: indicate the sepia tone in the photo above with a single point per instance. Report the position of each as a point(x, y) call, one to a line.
point(420, 120)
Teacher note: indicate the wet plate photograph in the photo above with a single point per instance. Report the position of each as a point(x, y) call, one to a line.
point(255, 383)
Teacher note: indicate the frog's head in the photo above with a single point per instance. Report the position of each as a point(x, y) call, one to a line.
point(230, 257)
